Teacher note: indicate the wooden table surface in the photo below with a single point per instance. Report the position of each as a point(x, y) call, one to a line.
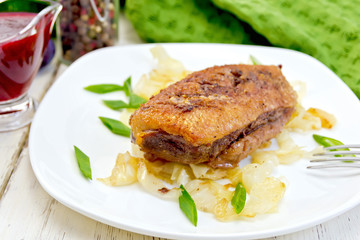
point(28, 212)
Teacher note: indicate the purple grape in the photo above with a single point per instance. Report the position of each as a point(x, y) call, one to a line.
point(49, 53)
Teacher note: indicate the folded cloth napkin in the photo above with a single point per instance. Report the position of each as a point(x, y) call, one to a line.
point(328, 30)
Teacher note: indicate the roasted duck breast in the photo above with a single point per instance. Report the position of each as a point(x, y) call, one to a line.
point(215, 116)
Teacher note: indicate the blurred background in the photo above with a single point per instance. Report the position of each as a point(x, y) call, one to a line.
point(328, 30)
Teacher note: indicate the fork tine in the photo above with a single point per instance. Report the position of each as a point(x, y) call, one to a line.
point(354, 165)
point(355, 159)
point(337, 153)
point(343, 146)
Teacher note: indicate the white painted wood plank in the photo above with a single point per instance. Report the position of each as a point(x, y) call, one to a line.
point(10, 147)
point(12, 142)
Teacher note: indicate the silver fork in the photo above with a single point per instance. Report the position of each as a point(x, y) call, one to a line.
point(339, 161)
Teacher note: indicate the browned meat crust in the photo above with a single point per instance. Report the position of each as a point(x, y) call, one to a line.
point(217, 116)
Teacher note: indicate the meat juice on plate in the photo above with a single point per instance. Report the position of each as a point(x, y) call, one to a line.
point(20, 58)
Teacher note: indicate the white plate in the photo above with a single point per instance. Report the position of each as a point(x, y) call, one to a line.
point(68, 115)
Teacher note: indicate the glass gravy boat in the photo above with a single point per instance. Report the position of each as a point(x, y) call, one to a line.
point(25, 30)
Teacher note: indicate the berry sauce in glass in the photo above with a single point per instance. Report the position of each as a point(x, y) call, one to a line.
point(20, 57)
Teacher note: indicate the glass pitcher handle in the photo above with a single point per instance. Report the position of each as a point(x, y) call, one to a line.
point(106, 10)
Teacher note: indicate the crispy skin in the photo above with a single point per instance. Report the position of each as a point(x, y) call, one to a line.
point(217, 116)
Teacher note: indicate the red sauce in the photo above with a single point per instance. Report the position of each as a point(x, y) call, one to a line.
point(20, 58)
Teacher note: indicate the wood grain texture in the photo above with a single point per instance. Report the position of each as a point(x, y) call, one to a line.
point(11, 143)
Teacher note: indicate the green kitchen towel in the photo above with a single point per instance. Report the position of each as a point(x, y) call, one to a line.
point(328, 30)
point(188, 21)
